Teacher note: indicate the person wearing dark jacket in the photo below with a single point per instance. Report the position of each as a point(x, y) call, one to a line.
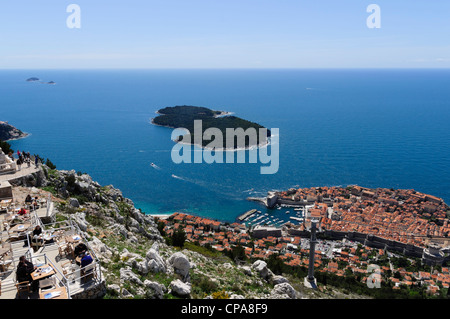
point(35, 239)
point(28, 200)
point(79, 249)
point(37, 230)
point(85, 260)
point(24, 270)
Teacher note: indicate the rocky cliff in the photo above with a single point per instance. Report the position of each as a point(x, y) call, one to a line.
point(9, 132)
point(136, 260)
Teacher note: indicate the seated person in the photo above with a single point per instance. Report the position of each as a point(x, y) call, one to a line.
point(28, 200)
point(86, 259)
point(24, 270)
point(35, 235)
point(22, 211)
point(79, 249)
point(36, 202)
point(37, 231)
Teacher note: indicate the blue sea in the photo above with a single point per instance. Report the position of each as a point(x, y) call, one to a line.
point(374, 128)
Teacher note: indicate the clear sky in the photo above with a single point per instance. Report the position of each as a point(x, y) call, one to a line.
point(224, 34)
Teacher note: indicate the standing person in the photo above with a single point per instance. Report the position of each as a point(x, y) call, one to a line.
point(36, 161)
point(19, 163)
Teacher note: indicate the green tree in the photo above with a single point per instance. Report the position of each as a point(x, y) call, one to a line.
point(50, 164)
point(6, 147)
point(161, 226)
point(275, 264)
point(178, 237)
point(236, 253)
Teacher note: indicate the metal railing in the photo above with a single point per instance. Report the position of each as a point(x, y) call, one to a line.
point(59, 276)
point(68, 228)
point(71, 229)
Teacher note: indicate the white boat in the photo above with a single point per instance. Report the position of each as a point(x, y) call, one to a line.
point(154, 166)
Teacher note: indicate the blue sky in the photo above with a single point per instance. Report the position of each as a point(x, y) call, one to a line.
point(224, 34)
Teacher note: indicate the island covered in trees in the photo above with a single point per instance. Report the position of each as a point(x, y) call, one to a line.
point(9, 132)
point(184, 116)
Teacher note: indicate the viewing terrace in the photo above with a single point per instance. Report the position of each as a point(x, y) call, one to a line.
point(54, 253)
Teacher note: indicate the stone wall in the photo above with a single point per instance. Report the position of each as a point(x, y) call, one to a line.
point(377, 242)
point(94, 292)
point(5, 191)
point(262, 232)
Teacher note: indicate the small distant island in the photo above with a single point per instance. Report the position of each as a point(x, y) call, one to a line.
point(9, 132)
point(35, 79)
point(184, 117)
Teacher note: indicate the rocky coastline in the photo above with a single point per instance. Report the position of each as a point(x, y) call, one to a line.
point(9, 132)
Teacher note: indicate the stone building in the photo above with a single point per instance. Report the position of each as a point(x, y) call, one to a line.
point(5, 191)
point(7, 165)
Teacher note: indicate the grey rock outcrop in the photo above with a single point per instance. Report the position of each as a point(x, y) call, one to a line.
point(80, 220)
point(114, 288)
point(155, 289)
point(74, 202)
point(180, 288)
point(155, 262)
point(284, 291)
point(100, 249)
point(181, 264)
point(261, 267)
point(278, 280)
point(127, 275)
point(247, 270)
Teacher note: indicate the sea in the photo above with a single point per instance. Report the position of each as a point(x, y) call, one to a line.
point(337, 127)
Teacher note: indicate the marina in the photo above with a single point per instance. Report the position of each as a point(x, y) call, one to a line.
point(272, 217)
point(247, 215)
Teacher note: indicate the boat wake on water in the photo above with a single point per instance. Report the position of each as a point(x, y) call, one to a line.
point(223, 190)
point(217, 188)
point(178, 177)
point(155, 166)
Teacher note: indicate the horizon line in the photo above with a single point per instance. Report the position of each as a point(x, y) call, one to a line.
point(228, 68)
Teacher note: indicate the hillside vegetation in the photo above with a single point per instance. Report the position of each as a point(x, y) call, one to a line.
point(184, 117)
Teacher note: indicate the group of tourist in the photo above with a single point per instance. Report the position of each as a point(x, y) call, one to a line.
point(31, 202)
point(25, 158)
